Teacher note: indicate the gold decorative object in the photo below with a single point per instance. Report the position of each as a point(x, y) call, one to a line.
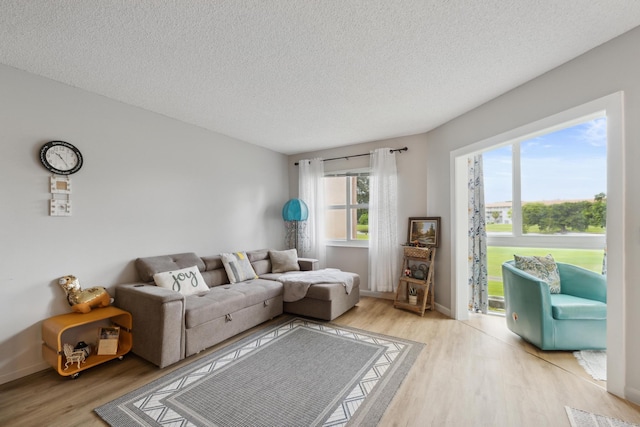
point(82, 301)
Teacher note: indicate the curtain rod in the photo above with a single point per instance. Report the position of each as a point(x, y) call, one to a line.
point(359, 155)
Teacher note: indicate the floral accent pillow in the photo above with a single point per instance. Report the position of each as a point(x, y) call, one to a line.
point(544, 268)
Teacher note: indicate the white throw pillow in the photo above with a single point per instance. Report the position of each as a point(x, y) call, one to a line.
point(187, 281)
point(283, 261)
point(238, 267)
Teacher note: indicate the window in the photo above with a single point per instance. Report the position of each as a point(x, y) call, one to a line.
point(547, 194)
point(552, 185)
point(347, 207)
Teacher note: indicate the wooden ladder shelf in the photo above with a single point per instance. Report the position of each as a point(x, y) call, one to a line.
point(420, 261)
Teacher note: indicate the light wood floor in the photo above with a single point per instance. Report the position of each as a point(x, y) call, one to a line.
point(473, 373)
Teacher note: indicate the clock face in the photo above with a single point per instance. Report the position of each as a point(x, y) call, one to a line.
point(61, 157)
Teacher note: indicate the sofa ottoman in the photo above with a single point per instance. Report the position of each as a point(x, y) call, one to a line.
point(324, 301)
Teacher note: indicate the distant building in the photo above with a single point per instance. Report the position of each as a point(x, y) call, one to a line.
point(498, 213)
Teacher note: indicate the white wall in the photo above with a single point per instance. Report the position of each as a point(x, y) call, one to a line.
point(612, 67)
point(150, 185)
point(412, 193)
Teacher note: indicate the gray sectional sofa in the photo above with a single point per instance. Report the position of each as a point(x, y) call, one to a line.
point(169, 326)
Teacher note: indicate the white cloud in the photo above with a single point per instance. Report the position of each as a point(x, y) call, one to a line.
point(595, 132)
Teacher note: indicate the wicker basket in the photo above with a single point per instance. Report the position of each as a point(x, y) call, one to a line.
point(416, 252)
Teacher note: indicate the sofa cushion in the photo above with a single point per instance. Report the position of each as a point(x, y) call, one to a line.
point(258, 290)
point(544, 268)
point(216, 277)
point(260, 261)
point(568, 307)
point(216, 303)
point(238, 267)
point(187, 281)
point(212, 262)
point(258, 255)
point(149, 266)
point(214, 274)
point(227, 299)
point(270, 276)
point(283, 261)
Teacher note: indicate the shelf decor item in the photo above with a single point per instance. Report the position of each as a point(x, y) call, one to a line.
point(108, 341)
point(413, 295)
point(84, 347)
point(82, 301)
point(72, 356)
point(416, 252)
point(419, 271)
point(424, 232)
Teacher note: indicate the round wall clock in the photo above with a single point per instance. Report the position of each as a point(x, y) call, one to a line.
point(61, 157)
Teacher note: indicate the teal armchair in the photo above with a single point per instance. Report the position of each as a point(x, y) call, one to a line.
point(575, 319)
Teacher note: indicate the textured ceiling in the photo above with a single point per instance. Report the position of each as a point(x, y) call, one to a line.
point(296, 75)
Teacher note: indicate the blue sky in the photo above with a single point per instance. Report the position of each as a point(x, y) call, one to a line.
point(564, 165)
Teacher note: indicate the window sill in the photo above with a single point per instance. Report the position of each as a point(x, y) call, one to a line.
point(581, 241)
point(348, 244)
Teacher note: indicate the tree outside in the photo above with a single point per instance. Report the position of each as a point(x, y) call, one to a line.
point(566, 216)
point(362, 196)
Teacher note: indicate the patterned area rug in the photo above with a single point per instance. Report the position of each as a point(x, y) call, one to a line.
point(594, 362)
point(299, 372)
point(579, 418)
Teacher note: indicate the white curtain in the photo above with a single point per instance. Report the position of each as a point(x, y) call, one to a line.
point(383, 222)
point(311, 190)
point(478, 280)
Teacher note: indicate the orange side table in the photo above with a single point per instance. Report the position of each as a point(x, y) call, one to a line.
point(58, 330)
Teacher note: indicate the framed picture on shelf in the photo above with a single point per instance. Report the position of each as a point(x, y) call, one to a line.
point(108, 340)
point(424, 231)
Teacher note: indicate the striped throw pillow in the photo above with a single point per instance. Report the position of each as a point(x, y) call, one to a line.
point(238, 267)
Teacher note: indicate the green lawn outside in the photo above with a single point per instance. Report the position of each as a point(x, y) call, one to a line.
point(499, 227)
point(495, 288)
point(505, 228)
point(362, 232)
point(588, 258)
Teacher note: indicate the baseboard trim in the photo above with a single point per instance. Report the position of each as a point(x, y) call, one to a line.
point(632, 395)
point(20, 373)
point(382, 295)
point(392, 296)
point(444, 310)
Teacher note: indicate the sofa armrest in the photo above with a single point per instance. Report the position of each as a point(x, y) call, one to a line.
point(308, 264)
point(528, 305)
point(583, 283)
point(158, 321)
